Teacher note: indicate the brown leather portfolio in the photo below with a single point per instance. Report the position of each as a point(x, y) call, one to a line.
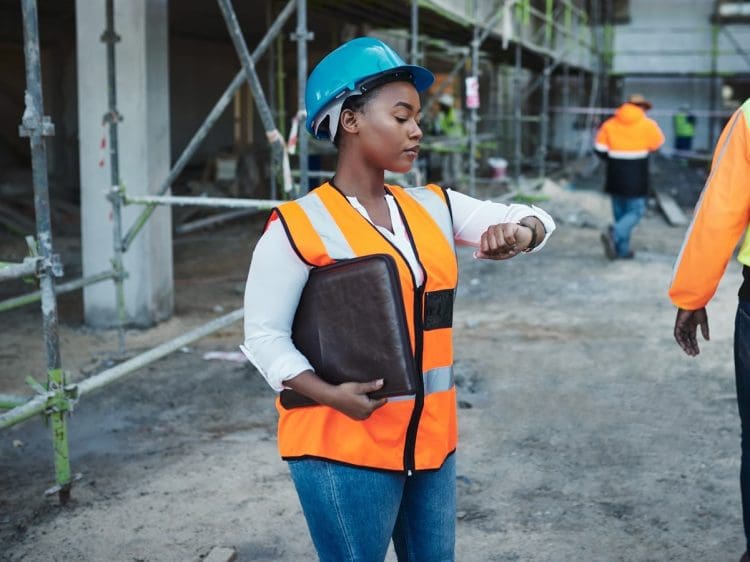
point(351, 326)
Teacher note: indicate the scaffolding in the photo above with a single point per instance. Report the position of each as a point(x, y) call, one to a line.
point(58, 397)
point(509, 21)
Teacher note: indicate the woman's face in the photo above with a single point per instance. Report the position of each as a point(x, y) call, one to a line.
point(389, 132)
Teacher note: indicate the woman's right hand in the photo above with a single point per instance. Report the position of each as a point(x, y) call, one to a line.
point(351, 399)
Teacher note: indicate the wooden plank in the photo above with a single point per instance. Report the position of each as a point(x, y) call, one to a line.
point(221, 554)
point(670, 209)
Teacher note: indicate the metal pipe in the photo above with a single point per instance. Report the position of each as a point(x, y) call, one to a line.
point(212, 220)
point(473, 117)
point(272, 96)
point(517, 115)
point(119, 371)
point(59, 290)
point(565, 120)
point(414, 32)
point(544, 125)
point(33, 125)
point(713, 96)
point(248, 65)
point(678, 53)
point(216, 112)
point(16, 270)
point(230, 202)
point(8, 401)
point(112, 117)
point(39, 402)
point(21, 413)
point(302, 36)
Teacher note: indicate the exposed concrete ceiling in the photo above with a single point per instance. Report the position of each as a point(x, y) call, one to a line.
point(202, 19)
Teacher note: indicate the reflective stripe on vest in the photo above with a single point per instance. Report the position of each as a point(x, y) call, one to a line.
point(322, 221)
point(409, 433)
point(435, 380)
point(436, 206)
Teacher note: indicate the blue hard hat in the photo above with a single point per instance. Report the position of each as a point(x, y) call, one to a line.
point(348, 67)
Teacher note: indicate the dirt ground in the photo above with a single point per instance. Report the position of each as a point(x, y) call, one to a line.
point(586, 435)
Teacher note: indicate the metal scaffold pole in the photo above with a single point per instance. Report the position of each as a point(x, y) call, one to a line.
point(112, 117)
point(473, 116)
point(713, 87)
point(564, 118)
point(517, 114)
point(302, 36)
point(414, 58)
point(251, 76)
point(36, 126)
point(544, 124)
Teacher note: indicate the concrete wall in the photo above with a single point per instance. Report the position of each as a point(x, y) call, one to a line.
point(675, 36)
point(667, 95)
point(665, 53)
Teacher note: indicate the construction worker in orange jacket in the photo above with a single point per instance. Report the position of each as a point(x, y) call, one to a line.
point(625, 142)
point(721, 218)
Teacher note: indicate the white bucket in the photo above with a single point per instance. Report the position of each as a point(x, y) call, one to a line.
point(499, 166)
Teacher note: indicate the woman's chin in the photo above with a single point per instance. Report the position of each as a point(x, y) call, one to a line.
point(402, 169)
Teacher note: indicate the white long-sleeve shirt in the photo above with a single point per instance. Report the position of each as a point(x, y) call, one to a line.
point(277, 276)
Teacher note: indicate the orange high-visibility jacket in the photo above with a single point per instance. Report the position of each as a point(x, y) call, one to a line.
point(408, 433)
point(720, 218)
point(625, 141)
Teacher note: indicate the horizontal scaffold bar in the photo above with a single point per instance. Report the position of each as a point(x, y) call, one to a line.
point(8, 401)
point(230, 202)
point(39, 402)
point(59, 290)
point(16, 270)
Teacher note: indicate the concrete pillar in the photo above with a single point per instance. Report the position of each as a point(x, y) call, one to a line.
point(144, 156)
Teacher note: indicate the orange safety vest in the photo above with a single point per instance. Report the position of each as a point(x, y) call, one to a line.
point(626, 140)
point(408, 433)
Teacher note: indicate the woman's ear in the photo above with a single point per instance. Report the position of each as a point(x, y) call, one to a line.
point(348, 121)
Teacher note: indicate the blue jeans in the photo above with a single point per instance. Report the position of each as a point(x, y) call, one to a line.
point(742, 378)
point(353, 513)
point(628, 212)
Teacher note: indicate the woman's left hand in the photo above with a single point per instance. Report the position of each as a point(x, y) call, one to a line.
point(503, 241)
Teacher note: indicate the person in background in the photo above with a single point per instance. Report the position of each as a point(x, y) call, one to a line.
point(625, 142)
point(370, 471)
point(721, 219)
point(684, 128)
point(448, 123)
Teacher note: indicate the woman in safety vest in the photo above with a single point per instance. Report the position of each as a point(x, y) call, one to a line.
point(368, 471)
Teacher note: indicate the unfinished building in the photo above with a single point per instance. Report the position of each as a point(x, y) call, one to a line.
point(195, 104)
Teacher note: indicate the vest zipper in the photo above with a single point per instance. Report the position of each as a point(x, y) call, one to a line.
point(413, 426)
point(411, 430)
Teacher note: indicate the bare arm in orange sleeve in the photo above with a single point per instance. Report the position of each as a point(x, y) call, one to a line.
point(720, 219)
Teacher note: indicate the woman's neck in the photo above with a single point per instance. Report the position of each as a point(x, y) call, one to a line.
point(360, 182)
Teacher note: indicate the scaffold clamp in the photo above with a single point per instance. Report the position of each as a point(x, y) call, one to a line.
point(53, 264)
point(307, 36)
point(109, 36)
point(112, 116)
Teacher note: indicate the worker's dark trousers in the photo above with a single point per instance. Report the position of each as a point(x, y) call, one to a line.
point(742, 376)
